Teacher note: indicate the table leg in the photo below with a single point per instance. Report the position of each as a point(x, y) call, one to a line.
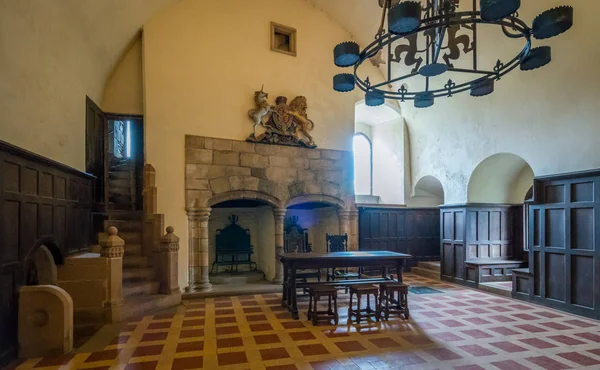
point(285, 294)
point(294, 303)
point(399, 266)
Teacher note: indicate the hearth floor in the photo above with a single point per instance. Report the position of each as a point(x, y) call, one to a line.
point(458, 328)
point(220, 290)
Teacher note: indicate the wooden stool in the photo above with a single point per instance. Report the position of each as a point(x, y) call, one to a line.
point(361, 290)
point(316, 292)
point(399, 306)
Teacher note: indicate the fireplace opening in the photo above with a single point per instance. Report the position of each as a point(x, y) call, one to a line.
point(318, 218)
point(241, 241)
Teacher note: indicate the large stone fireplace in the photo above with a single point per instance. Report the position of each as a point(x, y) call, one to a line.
point(263, 185)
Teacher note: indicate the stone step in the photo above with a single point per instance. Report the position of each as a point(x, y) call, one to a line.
point(425, 273)
point(131, 237)
point(139, 306)
point(125, 225)
point(125, 215)
point(121, 165)
point(118, 183)
point(134, 249)
point(133, 261)
point(137, 274)
point(120, 199)
point(118, 175)
point(432, 265)
point(140, 288)
point(119, 191)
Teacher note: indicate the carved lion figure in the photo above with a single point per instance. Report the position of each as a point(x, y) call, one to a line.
point(298, 108)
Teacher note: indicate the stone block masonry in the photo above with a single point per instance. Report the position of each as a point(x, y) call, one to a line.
point(218, 166)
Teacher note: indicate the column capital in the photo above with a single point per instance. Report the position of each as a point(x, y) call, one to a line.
point(112, 246)
point(279, 213)
point(343, 213)
point(198, 213)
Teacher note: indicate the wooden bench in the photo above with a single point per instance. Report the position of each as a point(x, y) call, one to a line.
point(489, 270)
point(522, 283)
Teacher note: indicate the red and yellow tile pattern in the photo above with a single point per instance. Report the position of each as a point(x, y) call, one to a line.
point(459, 329)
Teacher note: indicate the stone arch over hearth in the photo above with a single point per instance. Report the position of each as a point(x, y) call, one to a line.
point(327, 199)
point(244, 194)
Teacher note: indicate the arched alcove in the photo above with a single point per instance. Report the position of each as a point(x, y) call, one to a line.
point(382, 130)
point(428, 192)
point(500, 178)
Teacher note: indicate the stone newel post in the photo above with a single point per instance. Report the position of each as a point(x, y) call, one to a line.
point(169, 253)
point(198, 249)
point(113, 250)
point(279, 214)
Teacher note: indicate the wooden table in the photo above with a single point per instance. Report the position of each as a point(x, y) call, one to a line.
point(295, 261)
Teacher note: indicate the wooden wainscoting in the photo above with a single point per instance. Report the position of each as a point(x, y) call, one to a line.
point(476, 232)
point(564, 244)
point(404, 230)
point(40, 200)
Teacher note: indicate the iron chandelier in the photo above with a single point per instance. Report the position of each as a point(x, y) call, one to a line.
point(446, 29)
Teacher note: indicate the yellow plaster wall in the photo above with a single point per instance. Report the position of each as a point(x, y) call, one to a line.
point(203, 60)
point(123, 92)
point(52, 54)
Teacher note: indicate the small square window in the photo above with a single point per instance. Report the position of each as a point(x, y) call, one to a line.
point(283, 39)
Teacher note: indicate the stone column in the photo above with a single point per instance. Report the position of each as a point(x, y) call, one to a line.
point(353, 241)
point(279, 214)
point(169, 254)
point(112, 248)
point(198, 267)
point(344, 217)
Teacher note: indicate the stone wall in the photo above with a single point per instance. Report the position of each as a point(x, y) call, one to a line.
point(215, 168)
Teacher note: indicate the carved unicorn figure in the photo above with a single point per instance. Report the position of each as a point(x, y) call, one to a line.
point(263, 108)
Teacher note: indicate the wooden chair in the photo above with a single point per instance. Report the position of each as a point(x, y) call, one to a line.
point(295, 240)
point(316, 293)
point(339, 243)
point(358, 312)
point(232, 247)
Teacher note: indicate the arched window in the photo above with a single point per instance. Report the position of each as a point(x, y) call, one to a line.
point(363, 165)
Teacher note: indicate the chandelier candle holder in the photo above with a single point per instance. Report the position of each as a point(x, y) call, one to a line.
point(442, 27)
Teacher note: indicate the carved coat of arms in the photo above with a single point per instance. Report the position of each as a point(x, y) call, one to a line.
point(285, 124)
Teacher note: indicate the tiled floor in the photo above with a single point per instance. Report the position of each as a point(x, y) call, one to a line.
point(458, 329)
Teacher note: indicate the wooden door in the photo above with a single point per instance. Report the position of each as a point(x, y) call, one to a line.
point(96, 154)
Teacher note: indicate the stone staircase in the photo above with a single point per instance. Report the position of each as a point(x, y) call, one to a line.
point(121, 184)
point(429, 270)
point(140, 286)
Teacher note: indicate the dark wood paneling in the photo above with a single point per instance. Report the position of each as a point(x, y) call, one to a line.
point(563, 243)
point(413, 231)
point(96, 153)
point(478, 231)
point(40, 200)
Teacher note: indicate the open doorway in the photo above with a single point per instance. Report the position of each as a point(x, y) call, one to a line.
point(115, 155)
point(125, 162)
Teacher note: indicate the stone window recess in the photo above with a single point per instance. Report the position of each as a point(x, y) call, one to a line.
point(283, 39)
